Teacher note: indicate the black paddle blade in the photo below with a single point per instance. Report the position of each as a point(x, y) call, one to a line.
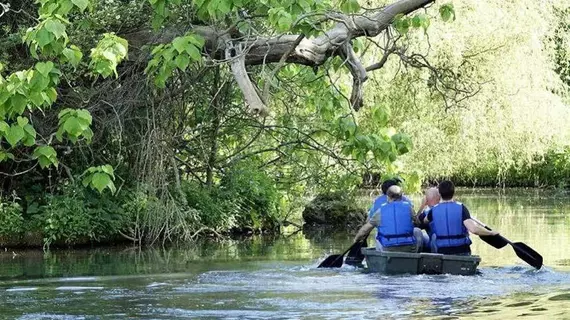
point(355, 256)
point(334, 261)
point(496, 241)
point(528, 254)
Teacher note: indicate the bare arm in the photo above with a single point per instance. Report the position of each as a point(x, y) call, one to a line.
point(363, 232)
point(477, 229)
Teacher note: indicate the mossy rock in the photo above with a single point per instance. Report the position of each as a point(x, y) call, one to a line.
point(334, 209)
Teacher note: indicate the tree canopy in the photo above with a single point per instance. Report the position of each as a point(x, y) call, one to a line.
point(206, 115)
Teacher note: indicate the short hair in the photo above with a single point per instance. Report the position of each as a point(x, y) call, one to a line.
point(394, 192)
point(388, 183)
point(446, 189)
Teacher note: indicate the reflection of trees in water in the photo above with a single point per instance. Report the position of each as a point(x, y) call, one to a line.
point(541, 221)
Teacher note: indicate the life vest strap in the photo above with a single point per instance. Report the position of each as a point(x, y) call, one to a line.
point(457, 236)
point(396, 235)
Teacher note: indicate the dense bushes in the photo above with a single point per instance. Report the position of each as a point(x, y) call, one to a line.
point(549, 170)
point(11, 217)
point(244, 200)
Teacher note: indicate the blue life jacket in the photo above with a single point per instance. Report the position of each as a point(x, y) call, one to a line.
point(447, 225)
point(396, 227)
point(381, 200)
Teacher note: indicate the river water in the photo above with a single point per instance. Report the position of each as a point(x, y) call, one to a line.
point(277, 278)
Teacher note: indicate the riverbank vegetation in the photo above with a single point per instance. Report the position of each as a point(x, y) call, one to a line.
point(166, 120)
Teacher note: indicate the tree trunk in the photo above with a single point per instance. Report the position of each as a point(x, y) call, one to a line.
point(216, 105)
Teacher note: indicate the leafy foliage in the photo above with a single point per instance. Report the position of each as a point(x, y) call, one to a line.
point(176, 55)
point(107, 55)
point(11, 217)
point(100, 178)
point(477, 101)
point(78, 214)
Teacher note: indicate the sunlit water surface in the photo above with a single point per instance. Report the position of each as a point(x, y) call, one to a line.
point(277, 278)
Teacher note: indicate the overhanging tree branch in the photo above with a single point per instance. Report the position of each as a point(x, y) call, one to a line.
point(312, 51)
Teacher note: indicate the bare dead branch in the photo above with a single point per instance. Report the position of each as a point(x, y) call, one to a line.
point(250, 94)
point(358, 75)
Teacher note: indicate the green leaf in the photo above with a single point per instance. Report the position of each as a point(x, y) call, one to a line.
point(402, 24)
point(403, 143)
point(196, 40)
point(37, 98)
point(416, 22)
point(43, 38)
point(85, 115)
point(63, 114)
point(180, 44)
point(44, 162)
point(52, 94)
point(73, 126)
point(87, 180)
point(73, 55)
point(284, 22)
point(46, 151)
point(29, 129)
point(424, 21)
point(4, 126)
point(108, 169)
point(380, 116)
point(182, 61)
point(59, 134)
point(39, 82)
point(447, 11)
point(22, 121)
point(100, 181)
point(18, 103)
point(81, 4)
point(28, 141)
point(56, 28)
point(350, 6)
point(224, 6)
point(14, 134)
point(194, 53)
point(44, 67)
point(88, 134)
point(5, 155)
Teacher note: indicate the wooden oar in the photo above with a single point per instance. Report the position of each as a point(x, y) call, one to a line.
point(526, 253)
point(336, 260)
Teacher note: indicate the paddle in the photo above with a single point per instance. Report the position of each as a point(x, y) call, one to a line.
point(355, 256)
point(336, 260)
point(524, 252)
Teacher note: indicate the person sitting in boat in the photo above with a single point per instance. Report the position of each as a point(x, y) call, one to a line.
point(450, 223)
point(379, 201)
point(431, 198)
point(394, 221)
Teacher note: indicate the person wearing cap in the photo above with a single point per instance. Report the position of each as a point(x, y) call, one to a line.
point(382, 199)
point(394, 221)
point(450, 223)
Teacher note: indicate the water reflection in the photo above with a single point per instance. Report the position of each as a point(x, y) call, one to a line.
point(276, 278)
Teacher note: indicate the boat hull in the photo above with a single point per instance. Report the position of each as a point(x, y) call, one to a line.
point(419, 263)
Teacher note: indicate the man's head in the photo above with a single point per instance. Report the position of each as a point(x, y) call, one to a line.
point(394, 193)
point(432, 197)
point(388, 183)
point(446, 189)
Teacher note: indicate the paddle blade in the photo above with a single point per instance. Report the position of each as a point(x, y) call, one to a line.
point(355, 256)
point(528, 255)
point(496, 241)
point(333, 261)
